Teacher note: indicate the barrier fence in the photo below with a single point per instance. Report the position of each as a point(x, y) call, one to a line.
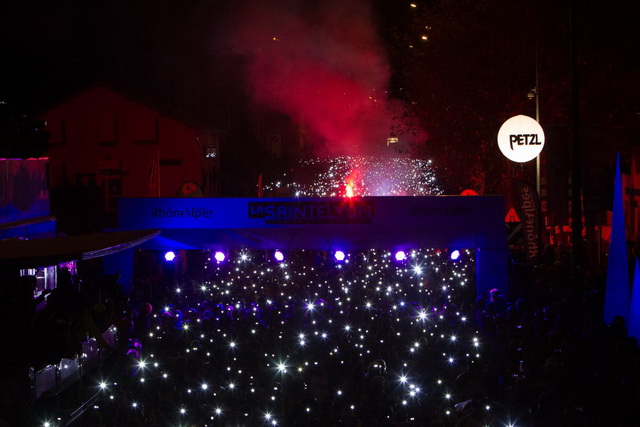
point(55, 378)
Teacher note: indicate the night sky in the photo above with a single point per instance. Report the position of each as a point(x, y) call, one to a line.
point(208, 57)
point(51, 48)
point(155, 47)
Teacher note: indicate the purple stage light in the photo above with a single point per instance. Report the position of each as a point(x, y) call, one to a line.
point(339, 255)
point(219, 256)
point(401, 256)
point(170, 256)
point(279, 256)
point(455, 255)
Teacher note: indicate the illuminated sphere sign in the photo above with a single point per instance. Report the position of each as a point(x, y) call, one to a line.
point(521, 139)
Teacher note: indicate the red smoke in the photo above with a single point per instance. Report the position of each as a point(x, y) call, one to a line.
point(322, 64)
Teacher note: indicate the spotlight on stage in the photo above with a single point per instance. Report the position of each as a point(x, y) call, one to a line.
point(339, 256)
point(219, 256)
point(169, 256)
point(278, 255)
point(455, 255)
point(401, 256)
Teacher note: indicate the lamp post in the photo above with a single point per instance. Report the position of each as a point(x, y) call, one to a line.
point(535, 94)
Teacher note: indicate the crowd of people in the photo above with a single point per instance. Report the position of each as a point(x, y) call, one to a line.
point(42, 327)
point(53, 325)
point(370, 341)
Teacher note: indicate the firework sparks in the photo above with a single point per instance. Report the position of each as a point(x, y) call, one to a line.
point(349, 176)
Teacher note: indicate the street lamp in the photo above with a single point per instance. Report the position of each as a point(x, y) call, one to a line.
point(535, 94)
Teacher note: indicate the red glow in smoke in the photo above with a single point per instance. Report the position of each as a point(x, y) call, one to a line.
point(321, 63)
point(349, 190)
point(353, 183)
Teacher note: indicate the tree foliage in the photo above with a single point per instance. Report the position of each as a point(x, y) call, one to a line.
point(21, 135)
point(465, 66)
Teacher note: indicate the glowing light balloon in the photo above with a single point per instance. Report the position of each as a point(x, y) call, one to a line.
point(521, 139)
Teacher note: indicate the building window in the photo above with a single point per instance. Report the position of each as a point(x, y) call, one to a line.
point(111, 178)
point(86, 179)
point(112, 192)
point(210, 151)
point(45, 278)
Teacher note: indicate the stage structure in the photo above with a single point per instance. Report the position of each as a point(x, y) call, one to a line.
point(358, 223)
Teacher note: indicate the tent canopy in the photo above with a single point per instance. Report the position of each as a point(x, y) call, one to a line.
point(51, 251)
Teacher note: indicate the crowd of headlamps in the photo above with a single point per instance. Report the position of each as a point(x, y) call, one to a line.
point(303, 338)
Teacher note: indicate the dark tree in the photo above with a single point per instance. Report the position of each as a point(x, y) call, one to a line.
point(465, 67)
point(21, 135)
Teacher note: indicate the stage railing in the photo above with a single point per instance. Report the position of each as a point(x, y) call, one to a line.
point(55, 378)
